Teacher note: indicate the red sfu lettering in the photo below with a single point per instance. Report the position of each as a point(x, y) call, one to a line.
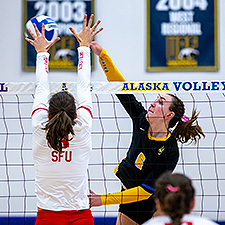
point(59, 156)
point(46, 64)
point(183, 223)
point(80, 66)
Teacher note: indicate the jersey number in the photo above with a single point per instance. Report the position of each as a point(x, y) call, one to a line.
point(140, 161)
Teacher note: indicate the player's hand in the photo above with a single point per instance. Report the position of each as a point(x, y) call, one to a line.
point(86, 35)
point(96, 47)
point(94, 200)
point(40, 43)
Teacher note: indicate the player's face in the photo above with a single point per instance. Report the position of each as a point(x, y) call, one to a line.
point(158, 111)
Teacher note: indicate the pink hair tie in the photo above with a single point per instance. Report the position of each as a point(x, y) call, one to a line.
point(170, 188)
point(184, 118)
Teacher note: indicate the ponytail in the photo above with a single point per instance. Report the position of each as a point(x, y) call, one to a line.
point(62, 112)
point(188, 130)
point(174, 206)
point(175, 193)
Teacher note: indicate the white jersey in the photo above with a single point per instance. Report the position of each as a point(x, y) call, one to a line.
point(61, 181)
point(188, 219)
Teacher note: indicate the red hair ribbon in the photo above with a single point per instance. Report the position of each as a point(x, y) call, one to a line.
point(170, 188)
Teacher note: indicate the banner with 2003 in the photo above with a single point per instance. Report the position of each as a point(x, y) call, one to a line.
point(64, 54)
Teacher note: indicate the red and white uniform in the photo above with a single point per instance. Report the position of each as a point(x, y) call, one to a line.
point(61, 181)
point(188, 219)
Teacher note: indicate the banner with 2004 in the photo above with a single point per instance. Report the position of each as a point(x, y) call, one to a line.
point(182, 35)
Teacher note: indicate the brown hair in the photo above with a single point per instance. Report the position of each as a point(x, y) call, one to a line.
point(184, 131)
point(62, 112)
point(177, 201)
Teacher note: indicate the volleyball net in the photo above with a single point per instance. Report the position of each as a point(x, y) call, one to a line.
point(204, 162)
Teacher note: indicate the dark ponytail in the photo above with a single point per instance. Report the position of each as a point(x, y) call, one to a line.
point(175, 193)
point(62, 112)
point(185, 130)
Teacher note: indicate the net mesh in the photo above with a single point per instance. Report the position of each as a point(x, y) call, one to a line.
point(111, 136)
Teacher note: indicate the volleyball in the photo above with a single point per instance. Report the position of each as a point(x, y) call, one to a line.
point(51, 27)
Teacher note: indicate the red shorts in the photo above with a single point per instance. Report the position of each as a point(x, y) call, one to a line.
point(65, 217)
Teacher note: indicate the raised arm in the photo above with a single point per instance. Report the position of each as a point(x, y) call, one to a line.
point(109, 68)
point(129, 102)
point(42, 92)
point(85, 37)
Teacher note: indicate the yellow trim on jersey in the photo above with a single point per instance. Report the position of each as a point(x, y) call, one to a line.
point(161, 150)
point(158, 138)
point(130, 195)
point(109, 68)
point(117, 167)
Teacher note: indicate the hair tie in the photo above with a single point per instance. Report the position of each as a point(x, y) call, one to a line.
point(62, 109)
point(184, 118)
point(170, 188)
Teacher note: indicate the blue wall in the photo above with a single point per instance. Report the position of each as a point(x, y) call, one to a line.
point(31, 221)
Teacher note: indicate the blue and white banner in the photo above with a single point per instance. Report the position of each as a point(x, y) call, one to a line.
point(182, 35)
point(203, 86)
point(68, 13)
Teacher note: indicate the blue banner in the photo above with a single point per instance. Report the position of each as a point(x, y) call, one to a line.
point(64, 54)
point(182, 35)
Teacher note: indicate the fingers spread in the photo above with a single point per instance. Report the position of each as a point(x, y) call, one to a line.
point(30, 41)
point(36, 29)
point(99, 30)
point(90, 21)
point(43, 29)
point(96, 24)
point(31, 33)
point(85, 21)
point(72, 30)
point(52, 43)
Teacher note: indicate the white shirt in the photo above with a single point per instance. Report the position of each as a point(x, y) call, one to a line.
point(188, 219)
point(61, 181)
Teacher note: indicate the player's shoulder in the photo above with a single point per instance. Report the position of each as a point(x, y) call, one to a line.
point(172, 142)
point(197, 220)
point(187, 219)
point(159, 220)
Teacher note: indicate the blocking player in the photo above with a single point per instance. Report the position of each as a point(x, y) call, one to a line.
point(62, 136)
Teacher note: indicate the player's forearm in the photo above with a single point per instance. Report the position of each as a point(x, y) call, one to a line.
point(83, 80)
point(42, 91)
point(109, 68)
point(130, 195)
point(42, 67)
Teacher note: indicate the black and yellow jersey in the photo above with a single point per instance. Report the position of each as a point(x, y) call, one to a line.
point(148, 157)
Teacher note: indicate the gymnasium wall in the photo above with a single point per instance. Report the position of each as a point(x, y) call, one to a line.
point(124, 38)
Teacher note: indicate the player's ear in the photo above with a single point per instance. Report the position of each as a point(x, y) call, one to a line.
point(170, 115)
